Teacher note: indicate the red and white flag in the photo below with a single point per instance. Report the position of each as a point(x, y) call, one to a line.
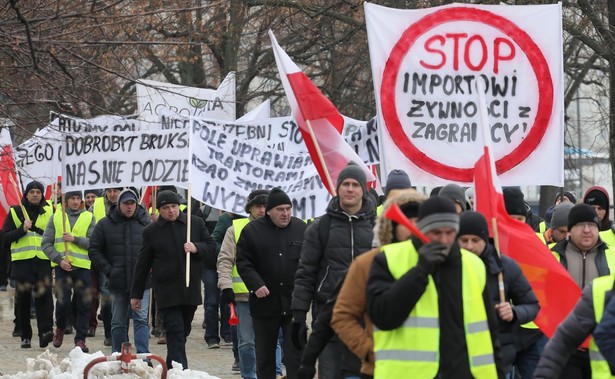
point(319, 121)
point(9, 194)
point(555, 289)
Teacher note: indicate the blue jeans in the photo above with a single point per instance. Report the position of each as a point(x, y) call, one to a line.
point(120, 309)
point(527, 360)
point(216, 324)
point(245, 339)
point(67, 282)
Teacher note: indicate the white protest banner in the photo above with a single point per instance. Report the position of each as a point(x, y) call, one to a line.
point(40, 157)
point(282, 133)
point(425, 64)
point(152, 96)
point(225, 168)
point(261, 111)
point(115, 159)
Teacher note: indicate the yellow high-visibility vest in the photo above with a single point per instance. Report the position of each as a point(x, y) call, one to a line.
point(414, 347)
point(238, 285)
point(601, 285)
point(99, 209)
point(29, 246)
point(77, 255)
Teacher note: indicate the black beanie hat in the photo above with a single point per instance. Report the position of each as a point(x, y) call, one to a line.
point(571, 196)
point(437, 212)
point(94, 191)
point(582, 213)
point(454, 193)
point(167, 188)
point(70, 194)
point(34, 185)
point(353, 171)
point(513, 200)
point(398, 179)
point(277, 197)
point(166, 197)
point(471, 222)
point(256, 197)
point(596, 197)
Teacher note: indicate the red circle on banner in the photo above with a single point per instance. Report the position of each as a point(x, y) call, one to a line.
point(528, 46)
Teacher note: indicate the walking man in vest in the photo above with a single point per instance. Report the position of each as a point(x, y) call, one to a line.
point(331, 244)
point(430, 306)
point(114, 248)
point(65, 243)
point(268, 252)
point(31, 269)
point(234, 290)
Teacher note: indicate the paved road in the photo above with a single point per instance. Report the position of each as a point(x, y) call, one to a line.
point(216, 362)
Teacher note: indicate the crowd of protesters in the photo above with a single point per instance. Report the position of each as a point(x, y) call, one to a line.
point(384, 301)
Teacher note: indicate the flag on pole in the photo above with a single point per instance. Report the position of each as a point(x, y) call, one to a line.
point(555, 289)
point(319, 121)
point(9, 195)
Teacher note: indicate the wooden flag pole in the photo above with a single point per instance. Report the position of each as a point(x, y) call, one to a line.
point(152, 201)
point(496, 243)
point(320, 158)
point(23, 209)
point(64, 226)
point(189, 224)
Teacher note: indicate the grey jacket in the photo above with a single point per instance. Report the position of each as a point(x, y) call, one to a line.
point(50, 234)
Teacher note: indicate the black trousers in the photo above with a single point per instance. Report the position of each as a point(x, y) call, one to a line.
point(43, 303)
point(266, 330)
point(177, 323)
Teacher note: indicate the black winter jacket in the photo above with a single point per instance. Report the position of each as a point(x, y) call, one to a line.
point(268, 256)
point(517, 290)
point(115, 244)
point(163, 253)
point(390, 301)
point(322, 267)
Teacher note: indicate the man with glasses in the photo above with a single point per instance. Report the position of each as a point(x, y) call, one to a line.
point(586, 257)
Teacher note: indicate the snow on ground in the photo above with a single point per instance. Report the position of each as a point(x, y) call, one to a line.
point(48, 366)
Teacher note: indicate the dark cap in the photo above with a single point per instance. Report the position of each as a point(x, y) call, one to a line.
point(353, 171)
point(582, 213)
point(397, 179)
point(277, 197)
point(514, 202)
point(34, 185)
point(256, 197)
point(127, 195)
point(471, 222)
point(437, 212)
point(455, 193)
point(70, 194)
point(166, 197)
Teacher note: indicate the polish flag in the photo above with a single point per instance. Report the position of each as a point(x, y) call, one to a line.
point(319, 121)
point(9, 194)
point(555, 289)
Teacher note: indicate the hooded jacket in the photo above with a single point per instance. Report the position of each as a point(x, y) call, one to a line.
point(115, 245)
point(605, 223)
point(322, 267)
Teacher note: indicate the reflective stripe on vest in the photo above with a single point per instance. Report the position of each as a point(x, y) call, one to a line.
point(601, 285)
point(29, 246)
point(77, 255)
point(238, 285)
point(99, 210)
point(415, 346)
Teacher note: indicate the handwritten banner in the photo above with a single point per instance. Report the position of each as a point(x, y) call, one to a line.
point(225, 168)
point(125, 159)
point(426, 64)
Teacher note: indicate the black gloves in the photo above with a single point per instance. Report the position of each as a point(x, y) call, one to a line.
point(228, 295)
point(306, 372)
point(431, 255)
point(299, 334)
